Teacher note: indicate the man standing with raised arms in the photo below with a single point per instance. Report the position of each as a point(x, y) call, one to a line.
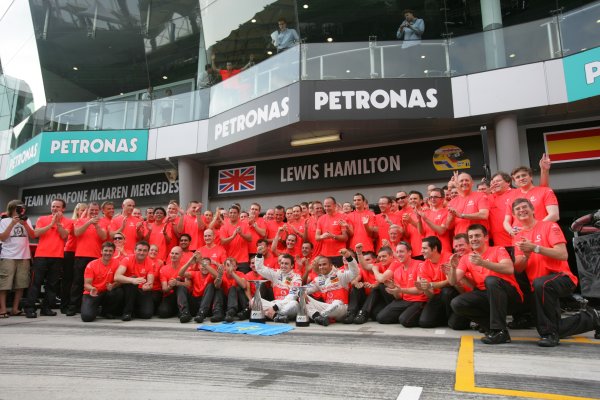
point(362, 221)
point(127, 224)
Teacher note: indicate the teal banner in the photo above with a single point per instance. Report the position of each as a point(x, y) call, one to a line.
point(582, 74)
point(24, 157)
point(90, 146)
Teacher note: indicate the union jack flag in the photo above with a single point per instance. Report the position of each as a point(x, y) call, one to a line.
point(236, 180)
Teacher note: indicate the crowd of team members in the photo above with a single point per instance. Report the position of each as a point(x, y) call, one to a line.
point(457, 257)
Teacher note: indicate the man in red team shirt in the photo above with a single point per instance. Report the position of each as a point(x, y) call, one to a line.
point(432, 222)
point(468, 207)
point(373, 275)
point(199, 300)
point(136, 274)
point(90, 235)
point(258, 227)
point(385, 219)
point(235, 236)
point(544, 200)
point(128, 225)
point(405, 301)
point(362, 221)
point(496, 292)
point(540, 250)
point(332, 232)
point(437, 312)
point(192, 224)
point(332, 286)
point(99, 288)
point(216, 253)
point(171, 285)
point(52, 231)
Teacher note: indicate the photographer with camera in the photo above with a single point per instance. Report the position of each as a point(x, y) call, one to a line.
point(15, 256)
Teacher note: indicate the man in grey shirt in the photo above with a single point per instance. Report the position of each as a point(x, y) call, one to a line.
point(412, 28)
point(284, 37)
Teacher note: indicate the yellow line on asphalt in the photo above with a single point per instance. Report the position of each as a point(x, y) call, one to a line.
point(465, 373)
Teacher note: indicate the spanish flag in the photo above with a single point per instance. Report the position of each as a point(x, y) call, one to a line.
point(576, 145)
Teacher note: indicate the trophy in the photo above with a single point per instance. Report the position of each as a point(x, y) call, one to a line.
point(256, 312)
point(301, 317)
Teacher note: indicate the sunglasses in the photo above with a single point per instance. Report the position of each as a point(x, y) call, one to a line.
point(401, 198)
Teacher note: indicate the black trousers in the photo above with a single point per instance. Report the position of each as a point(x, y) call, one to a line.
point(137, 302)
point(77, 285)
point(111, 302)
point(194, 305)
point(236, 300)
point(488, 307)
point(438, 311)
point(66, 280)
point(356, 299)
point(404, 312)
point(547, 291)
point(376, 301)
point(48, 270)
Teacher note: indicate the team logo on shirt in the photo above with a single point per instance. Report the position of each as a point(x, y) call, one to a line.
point(335, 279)
point(235, 180)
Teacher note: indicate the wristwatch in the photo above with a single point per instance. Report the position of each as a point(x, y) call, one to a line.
point(537, 249)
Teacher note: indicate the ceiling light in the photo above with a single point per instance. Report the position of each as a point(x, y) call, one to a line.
point(69, 172)
point(426, 71)
point(165, 77)
point(513, 55)
point(598, 21)
point(305, 6)
point(336, 137)
point(253, 20)
point(75, 69)
point(121, 93)
point(347, 71)
point(329, 39)
point(422, 56)
point(584, 49)
point(270, 52)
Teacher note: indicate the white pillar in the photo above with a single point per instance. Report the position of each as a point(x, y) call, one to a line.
point(507, 143)
point(191, 175)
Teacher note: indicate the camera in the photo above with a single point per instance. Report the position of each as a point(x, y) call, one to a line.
point(21, 213)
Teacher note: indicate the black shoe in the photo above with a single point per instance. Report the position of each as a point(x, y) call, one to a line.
point(550, 340)
point(280, 318)
point(230, 316)
point(595, 314)
point(108, 316)
point(321, 320)
point(70, 312)
point(216, 318)
point(126, 317)
point(349, 318)
point(64, 310)
point(30, 313)
point(244, 314)
point(361, 318)
point(200, 317)
point(496, 337)
point(185, 318)
point(523, 322)
point(47, 312)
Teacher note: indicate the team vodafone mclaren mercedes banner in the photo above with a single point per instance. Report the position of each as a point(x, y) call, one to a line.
point(356, 168)
point(376, 99)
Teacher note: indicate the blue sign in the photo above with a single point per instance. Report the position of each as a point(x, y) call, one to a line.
point(582, 74)
point(24, 156)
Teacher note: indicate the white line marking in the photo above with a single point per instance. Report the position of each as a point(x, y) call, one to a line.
point(440, 331)
point(410, 393)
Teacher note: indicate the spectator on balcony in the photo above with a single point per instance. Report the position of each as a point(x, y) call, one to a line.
point(147, 98)
point(412, 28)
point(209, 77)
point(284, 37)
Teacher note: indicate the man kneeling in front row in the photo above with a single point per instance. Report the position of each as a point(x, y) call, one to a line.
point(333, 286)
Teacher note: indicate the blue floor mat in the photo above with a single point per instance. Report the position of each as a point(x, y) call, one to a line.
point(248, 328)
